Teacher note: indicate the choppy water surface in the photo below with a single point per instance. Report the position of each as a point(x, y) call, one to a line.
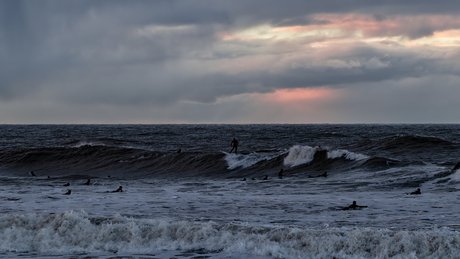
point(207, 203)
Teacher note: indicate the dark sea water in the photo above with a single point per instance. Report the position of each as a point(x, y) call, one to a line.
point(206, 203)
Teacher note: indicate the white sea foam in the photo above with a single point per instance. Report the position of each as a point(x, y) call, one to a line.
point(345, 154)
point(76, 232)
point(245, 161)
point(455, 176)
point(300, 155)
point(83, 143)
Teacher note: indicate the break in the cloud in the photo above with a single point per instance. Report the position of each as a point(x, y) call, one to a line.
point(228, 61)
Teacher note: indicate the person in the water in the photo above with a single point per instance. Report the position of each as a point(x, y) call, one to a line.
point(354, 206)
point(416, 192)
point(120, 189)
point(87, 182)
point(234, 145)
point(280, 174)
point(265, 178)
point(32, 173)
point(321, 175)
point(66, 184)
point(68, 192)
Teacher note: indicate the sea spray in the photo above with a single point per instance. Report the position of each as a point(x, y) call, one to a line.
point(300, 155)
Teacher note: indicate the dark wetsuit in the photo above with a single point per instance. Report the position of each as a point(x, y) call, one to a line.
point(234, 145)
point(354, 206)
point(416, 192)
point(120, 189)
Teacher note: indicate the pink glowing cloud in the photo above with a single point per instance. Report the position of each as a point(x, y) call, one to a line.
point(354, 27)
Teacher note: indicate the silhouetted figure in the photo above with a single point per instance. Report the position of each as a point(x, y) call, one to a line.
point(49, 177)
point(68, 192)
point(87, 182)
point(416, 192)
point(321, 175)
point(280, 174)
point(234, 145)
point(354, 206)
point(179, 151)
point(32, 173)
point(265, 178)
point(120, 189)
point(66, 184)
point(244, 179)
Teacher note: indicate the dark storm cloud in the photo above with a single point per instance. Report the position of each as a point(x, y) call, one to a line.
point(132, 52)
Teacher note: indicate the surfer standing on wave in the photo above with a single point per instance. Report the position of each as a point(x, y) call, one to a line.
point(234, 145)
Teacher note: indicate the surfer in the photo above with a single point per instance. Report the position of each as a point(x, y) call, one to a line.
point(87, 182)
point(265, 178)
point(66, 184)
point(68, 192)
point(244, 179)
point(416, 192)
point(234, 145)
point(354, 206)
point(32, 173)
point(179, 151)
point(321, 175)
point(120, 189)
point(280, 174)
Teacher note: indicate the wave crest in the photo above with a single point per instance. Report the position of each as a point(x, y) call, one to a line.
point(299, 155)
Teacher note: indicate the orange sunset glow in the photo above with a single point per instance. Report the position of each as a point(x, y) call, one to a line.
point(287, 96)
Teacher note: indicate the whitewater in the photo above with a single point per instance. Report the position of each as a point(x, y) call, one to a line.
point(204, 202)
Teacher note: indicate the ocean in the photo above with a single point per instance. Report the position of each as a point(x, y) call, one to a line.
point(205, 202)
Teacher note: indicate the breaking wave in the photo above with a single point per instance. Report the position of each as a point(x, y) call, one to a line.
point(101, 159)
point(76, 232)
point(299, 155)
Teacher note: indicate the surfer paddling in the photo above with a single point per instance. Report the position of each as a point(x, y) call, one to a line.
point(120, 189)
point(354, 206)
point(321, 175)
point(416, 192)
point(234, 145)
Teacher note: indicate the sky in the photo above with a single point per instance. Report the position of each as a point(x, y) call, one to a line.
point(229, 61)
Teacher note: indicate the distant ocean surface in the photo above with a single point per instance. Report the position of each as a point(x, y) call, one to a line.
point(204, 202)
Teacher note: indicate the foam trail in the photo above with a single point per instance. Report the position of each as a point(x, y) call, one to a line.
point(245, 161)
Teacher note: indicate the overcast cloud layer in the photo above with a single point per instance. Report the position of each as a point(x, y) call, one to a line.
point(258, 61)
